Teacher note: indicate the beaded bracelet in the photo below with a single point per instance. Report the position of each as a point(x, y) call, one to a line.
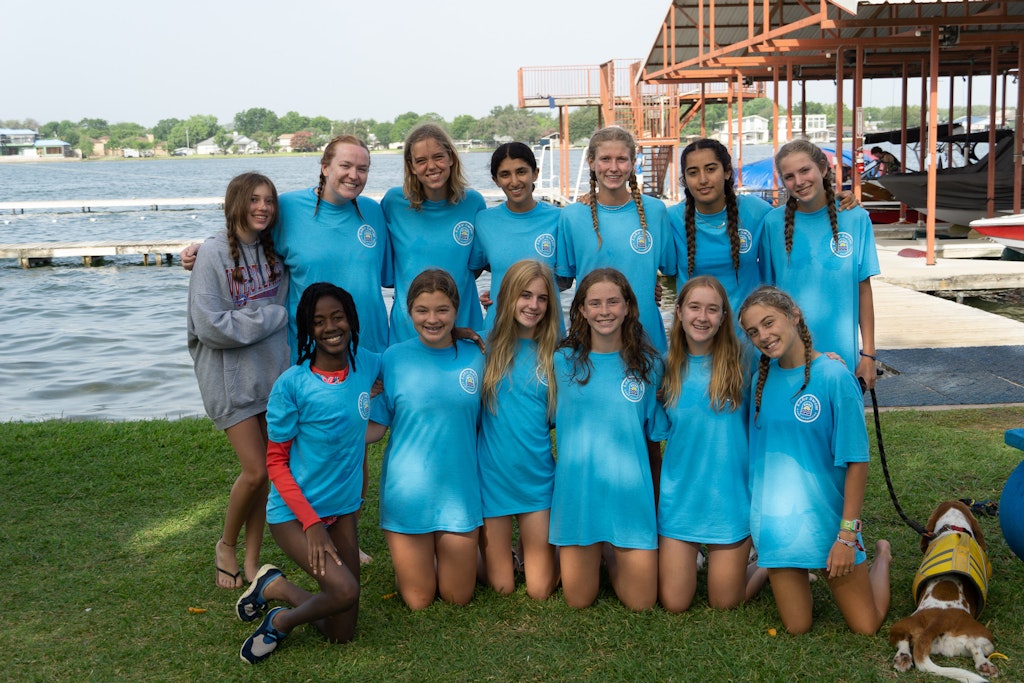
point(850, 544)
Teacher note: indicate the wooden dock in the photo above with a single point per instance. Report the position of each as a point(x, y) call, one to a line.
point(42, 253)
point(87, 205)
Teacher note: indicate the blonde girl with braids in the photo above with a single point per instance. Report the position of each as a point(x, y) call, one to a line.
point(517, 469)
point(705, 498)
point(824, 258)
point(237, 336)
point(621, 228)
point(808, 470)
point(431, 221)
point(607, 374)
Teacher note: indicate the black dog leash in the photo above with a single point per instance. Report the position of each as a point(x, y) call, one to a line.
point(885, 467)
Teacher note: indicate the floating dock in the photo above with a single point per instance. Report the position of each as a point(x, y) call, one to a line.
point(42, 253)
point(87, 205)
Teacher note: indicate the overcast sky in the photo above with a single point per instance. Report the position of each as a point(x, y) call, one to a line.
point(142, 61)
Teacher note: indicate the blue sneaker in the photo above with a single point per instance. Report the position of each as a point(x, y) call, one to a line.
point(251, 604)
point(264, 641)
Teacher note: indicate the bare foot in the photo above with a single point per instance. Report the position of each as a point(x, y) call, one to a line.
point(227, 574)
point(252, 567)
point(364, 558)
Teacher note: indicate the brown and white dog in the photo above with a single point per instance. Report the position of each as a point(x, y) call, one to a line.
point(948, 599)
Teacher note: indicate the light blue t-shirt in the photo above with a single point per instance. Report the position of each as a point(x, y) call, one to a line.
point(603, 485)
point(823, 277)
point(327, 426)
point(625, 246)
point(517, 469)
point(336, 246)
point(504, 237)
point(705, 497)
point(800, 446)
point(439, 235)
point(429, 479)
point(713, 253)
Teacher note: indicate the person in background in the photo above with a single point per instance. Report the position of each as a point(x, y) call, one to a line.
point(237, 337)
point(431, 220)
point(885, 162)
point(517, 469)
point(808, 471)
point(607, 374)
point(430, 486)
point(317, 419)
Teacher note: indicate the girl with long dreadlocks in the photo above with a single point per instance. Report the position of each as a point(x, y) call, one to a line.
point(607, 374)
point(237, 338)
point(808, 471)
point(621, 228)
point(316, 422)
point(824, 258)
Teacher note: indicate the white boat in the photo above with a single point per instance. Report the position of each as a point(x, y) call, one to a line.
point(1006, 230)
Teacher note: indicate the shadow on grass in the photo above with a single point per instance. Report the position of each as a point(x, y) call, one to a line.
point(107, 531)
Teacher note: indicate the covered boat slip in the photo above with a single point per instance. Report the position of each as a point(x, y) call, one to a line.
point(787, 42)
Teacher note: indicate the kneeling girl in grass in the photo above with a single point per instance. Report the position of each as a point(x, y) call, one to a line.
point(607, 373)
point(317, 419)
point(808, 471)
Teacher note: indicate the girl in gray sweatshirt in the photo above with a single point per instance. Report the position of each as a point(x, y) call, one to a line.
point(237, 336)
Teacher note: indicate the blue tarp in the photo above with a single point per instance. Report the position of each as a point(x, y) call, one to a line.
point(757, 175)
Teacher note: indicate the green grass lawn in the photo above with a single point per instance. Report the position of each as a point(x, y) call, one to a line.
point(107, 534)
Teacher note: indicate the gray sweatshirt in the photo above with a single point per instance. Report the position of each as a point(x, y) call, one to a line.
point(237, 331)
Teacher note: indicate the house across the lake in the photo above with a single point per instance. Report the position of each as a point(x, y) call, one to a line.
point(25, 143)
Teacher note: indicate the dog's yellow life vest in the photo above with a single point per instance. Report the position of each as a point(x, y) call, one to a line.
point(955, 553)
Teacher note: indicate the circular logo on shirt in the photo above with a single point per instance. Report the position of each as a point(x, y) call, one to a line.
point(462, 233)
point(468, 381)
point(641, 241)
point(364, 405)
point(633, 389)
point(842, 247)
point(541, 376)
point(545, 245)
point(367, 236)
point(807, 408)
point(746, 240)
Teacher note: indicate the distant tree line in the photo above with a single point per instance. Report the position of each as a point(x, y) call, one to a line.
point(311, 133)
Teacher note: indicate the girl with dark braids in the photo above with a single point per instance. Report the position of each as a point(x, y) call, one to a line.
point(621, 228)
point(824, 258)
point(607, 374)
point(717, 232)
point(237, 327)
point(808, 470)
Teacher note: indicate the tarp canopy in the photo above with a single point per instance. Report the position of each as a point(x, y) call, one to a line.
point(757, 175)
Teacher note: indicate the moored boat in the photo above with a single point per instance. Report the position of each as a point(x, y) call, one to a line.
point(1006, 230)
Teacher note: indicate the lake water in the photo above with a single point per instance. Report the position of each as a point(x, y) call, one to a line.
point(109, 342)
